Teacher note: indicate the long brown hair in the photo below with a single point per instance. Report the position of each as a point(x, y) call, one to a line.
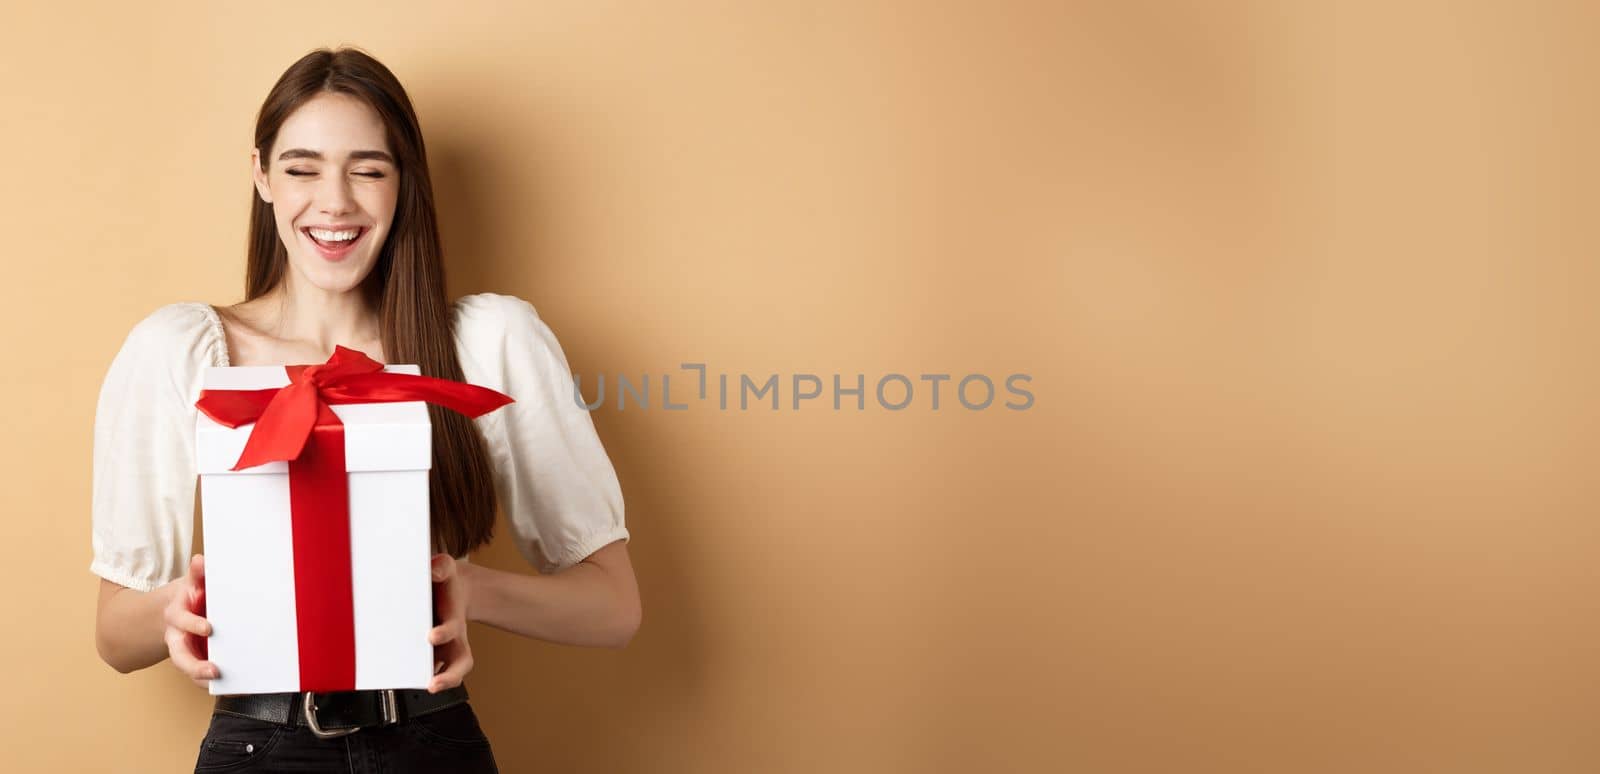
point(406, 284)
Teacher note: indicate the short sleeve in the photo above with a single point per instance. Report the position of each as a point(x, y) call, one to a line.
point(144, 468)
point(553, 479)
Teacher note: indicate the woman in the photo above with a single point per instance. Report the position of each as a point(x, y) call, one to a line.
point(344, 249)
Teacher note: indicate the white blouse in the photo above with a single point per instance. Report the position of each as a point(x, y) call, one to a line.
point(551, 475)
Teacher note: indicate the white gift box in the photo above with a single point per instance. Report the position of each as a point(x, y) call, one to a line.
point(250, 575)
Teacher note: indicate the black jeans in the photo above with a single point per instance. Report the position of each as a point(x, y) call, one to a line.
point(448, 740)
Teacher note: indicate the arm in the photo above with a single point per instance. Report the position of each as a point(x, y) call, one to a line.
point(135, 629)
point(143, 493)
point(128, 627)
point(553, 480)
point(593, 603)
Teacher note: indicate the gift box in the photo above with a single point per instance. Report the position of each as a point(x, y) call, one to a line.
point(314, 494)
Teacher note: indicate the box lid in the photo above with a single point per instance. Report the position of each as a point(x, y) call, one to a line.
point(377, 436)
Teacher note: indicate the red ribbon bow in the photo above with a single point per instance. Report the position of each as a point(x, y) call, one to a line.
point(295, 424)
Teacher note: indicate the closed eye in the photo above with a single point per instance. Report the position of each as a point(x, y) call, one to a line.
point(301, 173)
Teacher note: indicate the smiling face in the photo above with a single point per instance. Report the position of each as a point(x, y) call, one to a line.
point(332, 182)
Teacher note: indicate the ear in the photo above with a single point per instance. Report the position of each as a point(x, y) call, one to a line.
point(259, 176)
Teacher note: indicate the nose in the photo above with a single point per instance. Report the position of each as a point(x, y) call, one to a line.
point(334, 196)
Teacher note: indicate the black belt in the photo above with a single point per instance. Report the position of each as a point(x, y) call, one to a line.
point(341, 712)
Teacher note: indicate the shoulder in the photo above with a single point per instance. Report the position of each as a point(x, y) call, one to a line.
point(490, 326)
point(493, 334)
point(173, 343)
point(502, 342)
point(166, 351)
point(493, 313)
point(186, 330)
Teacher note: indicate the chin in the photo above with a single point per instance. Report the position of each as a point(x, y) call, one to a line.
point(333, 279)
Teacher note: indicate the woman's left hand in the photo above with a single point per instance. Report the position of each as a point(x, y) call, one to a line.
point(452, 656)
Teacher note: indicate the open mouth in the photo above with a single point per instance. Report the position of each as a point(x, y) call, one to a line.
point(334, 243)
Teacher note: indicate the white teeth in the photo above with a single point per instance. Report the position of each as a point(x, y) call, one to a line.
point(334, 236)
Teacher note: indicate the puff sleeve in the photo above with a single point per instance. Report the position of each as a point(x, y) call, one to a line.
point(553, 478)
point(143, 490)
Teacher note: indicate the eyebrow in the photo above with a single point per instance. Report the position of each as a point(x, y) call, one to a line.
point(306, 153)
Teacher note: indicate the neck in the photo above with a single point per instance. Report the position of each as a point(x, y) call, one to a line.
point(320, 317)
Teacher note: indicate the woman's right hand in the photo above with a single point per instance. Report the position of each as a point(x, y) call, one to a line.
point(186, 626)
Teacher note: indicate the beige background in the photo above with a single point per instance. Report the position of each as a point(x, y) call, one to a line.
point(1306, 297)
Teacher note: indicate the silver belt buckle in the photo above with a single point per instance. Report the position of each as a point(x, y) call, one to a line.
point(386, 704)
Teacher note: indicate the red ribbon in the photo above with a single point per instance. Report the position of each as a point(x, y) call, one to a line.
point(295, 424)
